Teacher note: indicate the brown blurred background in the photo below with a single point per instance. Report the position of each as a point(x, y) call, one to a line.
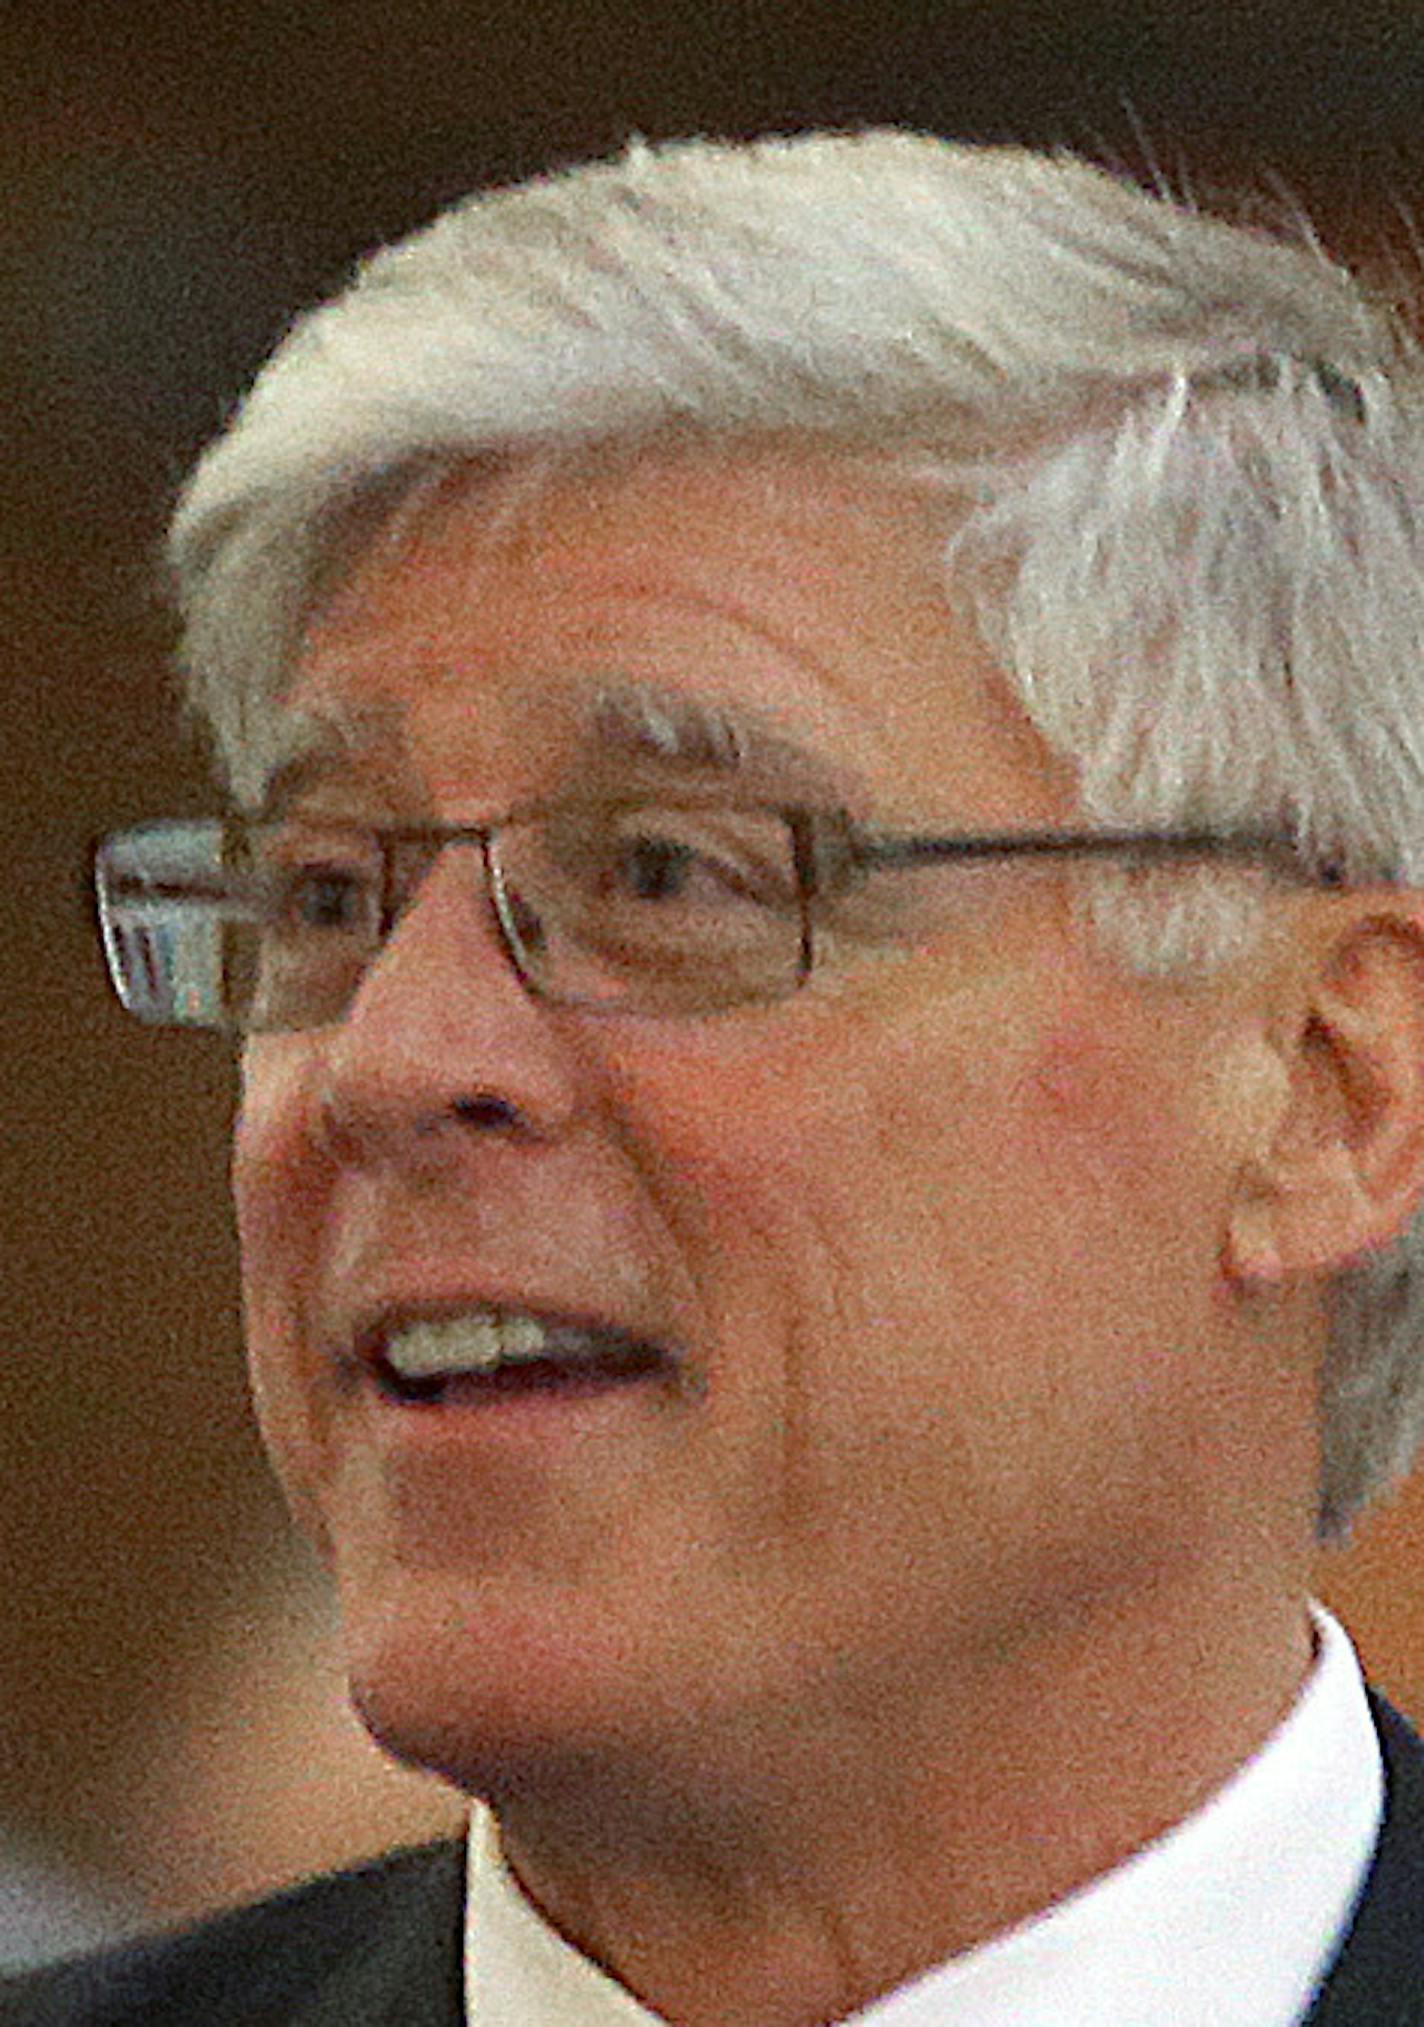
point(175, 180)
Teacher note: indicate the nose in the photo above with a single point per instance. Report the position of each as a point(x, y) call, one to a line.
point(442, 1042)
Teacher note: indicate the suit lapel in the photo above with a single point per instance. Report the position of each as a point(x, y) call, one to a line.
point(1378, 1976)
point(410, 1973)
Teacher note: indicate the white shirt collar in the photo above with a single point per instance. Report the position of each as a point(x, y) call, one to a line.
point(1239, 1909)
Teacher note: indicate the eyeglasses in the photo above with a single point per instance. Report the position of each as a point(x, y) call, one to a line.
point(655, 907)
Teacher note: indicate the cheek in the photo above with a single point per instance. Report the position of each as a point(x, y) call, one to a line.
point(1115, 1166)
point(276, 1196)
point(1085, 1098)
point(275, 1185)
point(817, 1171)
point(980, 1151)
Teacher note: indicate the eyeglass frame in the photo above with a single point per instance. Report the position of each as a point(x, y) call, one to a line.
point(826, 844)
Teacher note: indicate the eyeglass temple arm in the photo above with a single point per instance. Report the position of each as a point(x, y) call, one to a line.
point(869, 848)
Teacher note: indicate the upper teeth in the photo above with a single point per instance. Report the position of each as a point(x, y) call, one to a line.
point(475, 1341)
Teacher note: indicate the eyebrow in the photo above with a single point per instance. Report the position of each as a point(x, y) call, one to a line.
point(694, 735)
point(659, 729)
point(308, 747)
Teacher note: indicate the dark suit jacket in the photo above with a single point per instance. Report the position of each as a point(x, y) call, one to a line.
point(381, 1946)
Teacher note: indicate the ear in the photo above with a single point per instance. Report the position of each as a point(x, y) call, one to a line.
point(1343, 1173)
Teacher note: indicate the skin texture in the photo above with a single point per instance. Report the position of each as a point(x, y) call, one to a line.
point(967, 1548)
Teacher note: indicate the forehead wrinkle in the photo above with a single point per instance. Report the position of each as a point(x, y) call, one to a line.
point(661, 735)
point(790, 642)
point(482, 552)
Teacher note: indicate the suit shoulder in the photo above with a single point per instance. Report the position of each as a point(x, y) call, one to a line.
point(256, 1963)
point(1378, 1975)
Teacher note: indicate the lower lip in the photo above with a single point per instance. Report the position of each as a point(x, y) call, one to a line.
point(476, 1389)
point(476, 1411)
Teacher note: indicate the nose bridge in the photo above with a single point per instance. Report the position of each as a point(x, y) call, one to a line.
point(421, 862)
point(441, 1033)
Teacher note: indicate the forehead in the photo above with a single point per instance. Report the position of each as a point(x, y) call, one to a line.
point(777, 616)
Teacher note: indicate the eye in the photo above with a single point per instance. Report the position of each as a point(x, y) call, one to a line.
point(654, 869)
point(308, 882)
point(324, 897)
point(666, 906)
point(694, 859)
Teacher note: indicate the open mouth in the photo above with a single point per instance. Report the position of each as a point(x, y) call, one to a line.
point(485, 1353)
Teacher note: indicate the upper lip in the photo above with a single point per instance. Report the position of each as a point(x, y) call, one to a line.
point(363, 1338)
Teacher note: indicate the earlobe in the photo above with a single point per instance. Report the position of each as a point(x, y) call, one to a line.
point(1342, 1174)
point(1315, 1221)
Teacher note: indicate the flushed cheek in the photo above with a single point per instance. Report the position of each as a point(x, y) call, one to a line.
point(1117, 1177)
point(860, 1229)
point(799, 1185)
point(1091, 1100)
point(913, 1182)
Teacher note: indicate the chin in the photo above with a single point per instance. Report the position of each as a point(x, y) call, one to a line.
point(485, 1698)
point(420, 1731)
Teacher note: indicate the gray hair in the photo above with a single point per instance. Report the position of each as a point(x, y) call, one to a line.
point(1185, 457)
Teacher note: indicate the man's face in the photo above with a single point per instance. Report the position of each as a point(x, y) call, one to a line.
point(933, 1245)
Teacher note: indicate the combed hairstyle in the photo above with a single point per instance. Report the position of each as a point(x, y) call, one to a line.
point(1184, 458)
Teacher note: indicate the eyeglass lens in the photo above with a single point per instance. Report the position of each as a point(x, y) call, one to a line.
point(273, 925)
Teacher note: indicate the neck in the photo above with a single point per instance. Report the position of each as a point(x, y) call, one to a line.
point(816, 1865)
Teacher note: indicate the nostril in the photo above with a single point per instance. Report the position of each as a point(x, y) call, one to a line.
point(356, 1135)
point(487, 1112)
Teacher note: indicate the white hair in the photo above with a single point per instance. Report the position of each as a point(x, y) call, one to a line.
point(1187, 457)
